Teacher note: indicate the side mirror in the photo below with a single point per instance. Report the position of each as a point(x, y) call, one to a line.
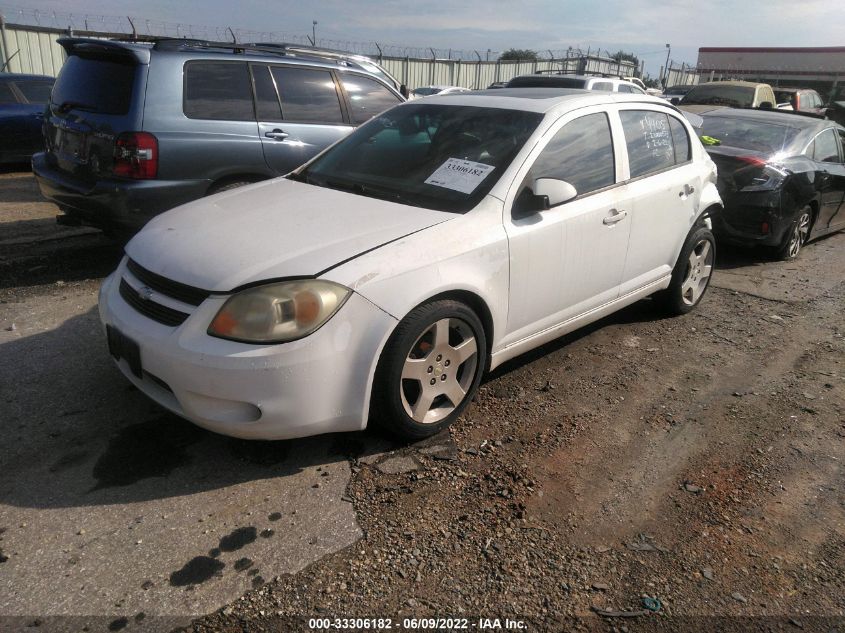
point(403, 90)
point(675, 100)
point(766, 105)
point(555, 191)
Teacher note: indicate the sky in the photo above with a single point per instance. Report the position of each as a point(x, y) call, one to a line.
point(643, 27)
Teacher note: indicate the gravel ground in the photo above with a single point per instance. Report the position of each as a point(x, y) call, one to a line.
point(644, 473)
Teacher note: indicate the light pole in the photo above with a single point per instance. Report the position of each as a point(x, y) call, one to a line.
point(314, 33)
point(666, 76)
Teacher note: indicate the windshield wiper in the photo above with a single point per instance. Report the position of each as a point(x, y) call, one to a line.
point(76, 105)
point(365, 190)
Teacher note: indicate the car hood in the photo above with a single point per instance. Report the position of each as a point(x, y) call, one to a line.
point(270, 230)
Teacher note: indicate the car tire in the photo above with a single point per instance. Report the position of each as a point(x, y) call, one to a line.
point(691, 274)
point(227, 186)
point(796, 236)
point(429, 370)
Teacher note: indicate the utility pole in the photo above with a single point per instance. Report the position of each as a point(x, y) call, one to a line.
point(313, 32)
point(666, 78)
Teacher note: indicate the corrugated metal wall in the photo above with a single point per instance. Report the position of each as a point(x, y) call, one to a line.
point(31, 51)
point(34, 50)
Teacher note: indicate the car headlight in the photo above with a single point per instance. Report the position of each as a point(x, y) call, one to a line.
point(278, 312)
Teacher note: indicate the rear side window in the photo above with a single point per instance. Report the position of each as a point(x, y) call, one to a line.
point(649, 141)
point(219, 91)
point(626, 88)
point(307, 95)
point(35, 91)
point(95, 85)
point(680, 140)
point(266, 100)
point(6, 94)
point(826, 148)
point(581, 153)
point(602, 85)
point(367, 97)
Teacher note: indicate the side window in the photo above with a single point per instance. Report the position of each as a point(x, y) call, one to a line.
point(826, 147)
point(842, 144)
point(581, 153)
point(6, 94)
point(35, 91)
point(649, 141)
point(680, 141)
point(626, 88)
point(218, 90)
point(602, 85)
point(367, 97)
point(266, 100)
point(307, 95)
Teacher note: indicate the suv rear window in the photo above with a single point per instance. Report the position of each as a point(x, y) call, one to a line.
point(95, 85)
point(219, 91)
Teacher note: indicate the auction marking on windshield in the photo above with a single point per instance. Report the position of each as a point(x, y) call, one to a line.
point(460, 175)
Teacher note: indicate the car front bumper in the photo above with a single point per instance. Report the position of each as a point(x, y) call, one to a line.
point(125, 205)
point(318, 384)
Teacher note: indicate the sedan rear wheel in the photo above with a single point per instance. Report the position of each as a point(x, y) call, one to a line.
point(430, 369)
point(797, 235)
point(692, 272)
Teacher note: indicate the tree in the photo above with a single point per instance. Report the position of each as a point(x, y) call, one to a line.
point(518, 54)
point(622, 56)
point(651, 83)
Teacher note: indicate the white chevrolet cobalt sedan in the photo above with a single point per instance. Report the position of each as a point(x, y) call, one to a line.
point(382, 279)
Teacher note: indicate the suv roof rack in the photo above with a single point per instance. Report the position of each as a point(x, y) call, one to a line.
point(567, 71)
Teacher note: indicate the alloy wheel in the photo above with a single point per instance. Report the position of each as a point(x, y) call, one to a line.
point(699, 268)
point(439, 370)
point(799, 235)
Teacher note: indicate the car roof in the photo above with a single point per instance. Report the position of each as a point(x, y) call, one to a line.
point(23, 77)
point(733, 82)
point(542, 100)
point(778, 117)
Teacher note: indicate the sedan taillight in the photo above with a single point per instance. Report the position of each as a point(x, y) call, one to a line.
point(136, 156)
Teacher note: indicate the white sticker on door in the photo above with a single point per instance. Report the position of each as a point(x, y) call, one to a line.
point(460, 175)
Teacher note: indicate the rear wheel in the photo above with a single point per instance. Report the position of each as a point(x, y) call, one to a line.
point(692, 272)
point(429, 370)
point(796, 236)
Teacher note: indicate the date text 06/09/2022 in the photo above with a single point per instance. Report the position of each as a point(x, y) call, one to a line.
point(416, 624)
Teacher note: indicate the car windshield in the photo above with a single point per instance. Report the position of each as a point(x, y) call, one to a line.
point(439, 157)
point(748, 134)
point(713, 94)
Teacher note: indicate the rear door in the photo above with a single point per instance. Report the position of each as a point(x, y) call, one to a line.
point(827, 153)
point(92, 101)
point(300, 113)
point(34, 95)
point(664, 186)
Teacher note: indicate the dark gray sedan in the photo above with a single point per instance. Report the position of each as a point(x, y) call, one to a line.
point(22, 101)
point(781, 177)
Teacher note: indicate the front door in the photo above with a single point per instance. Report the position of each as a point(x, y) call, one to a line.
point(567, 260)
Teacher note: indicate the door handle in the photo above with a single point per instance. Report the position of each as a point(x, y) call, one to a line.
point(277, 135)
point(614, 217)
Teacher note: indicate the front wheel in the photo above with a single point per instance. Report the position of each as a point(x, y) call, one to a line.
point(691, 275)
point(429, 370)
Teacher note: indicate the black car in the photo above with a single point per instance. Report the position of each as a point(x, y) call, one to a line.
point(781, 177)
point(22, 101)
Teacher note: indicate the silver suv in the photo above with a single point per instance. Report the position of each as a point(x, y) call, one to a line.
point(134, 129)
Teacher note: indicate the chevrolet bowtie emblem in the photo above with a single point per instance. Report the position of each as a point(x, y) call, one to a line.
point(145, 293)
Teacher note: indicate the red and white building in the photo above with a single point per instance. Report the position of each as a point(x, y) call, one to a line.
point(819, 68)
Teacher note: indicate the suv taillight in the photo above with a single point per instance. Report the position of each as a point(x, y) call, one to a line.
point(136, 155)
